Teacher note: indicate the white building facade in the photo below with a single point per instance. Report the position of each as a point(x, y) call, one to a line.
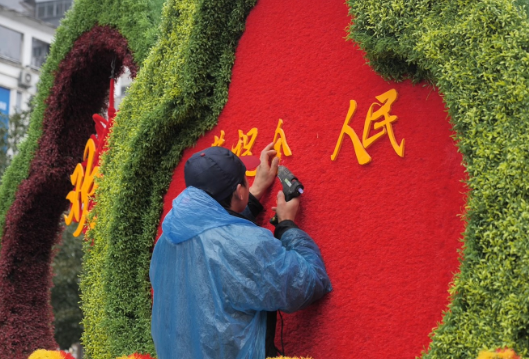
point(24, 45)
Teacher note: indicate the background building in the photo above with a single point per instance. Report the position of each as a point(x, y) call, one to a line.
point(23, 49)
point(27, 29)
point(50, 11)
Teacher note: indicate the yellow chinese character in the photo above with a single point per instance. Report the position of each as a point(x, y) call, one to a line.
point(84, 188)
point(280, 141)
point(245, 143)
point(361, 154)
point(219, 141)
point(75, 196)
point(387, 100)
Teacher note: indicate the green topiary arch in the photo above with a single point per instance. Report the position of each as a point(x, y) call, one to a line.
point(73, 86)
point(474, 51)
point(178, 95)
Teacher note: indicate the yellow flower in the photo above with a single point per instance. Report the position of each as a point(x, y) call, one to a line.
point(46, 354)
point(504, 354)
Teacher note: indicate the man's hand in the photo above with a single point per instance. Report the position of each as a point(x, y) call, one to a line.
point(266, 171)
point(286, 210)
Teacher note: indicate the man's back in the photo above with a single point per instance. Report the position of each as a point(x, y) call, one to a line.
point(214, 275)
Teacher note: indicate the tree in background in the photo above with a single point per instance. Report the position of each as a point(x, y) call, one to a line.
point(65, 293)
point(12, 131)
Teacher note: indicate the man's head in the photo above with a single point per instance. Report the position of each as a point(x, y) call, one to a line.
point(221, 174)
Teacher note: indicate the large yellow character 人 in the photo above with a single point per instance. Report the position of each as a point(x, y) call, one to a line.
point(361, 154)
point(84, 188)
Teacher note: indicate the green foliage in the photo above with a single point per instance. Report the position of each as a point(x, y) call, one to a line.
point(524, 4)
point(177, 96)
point(65, 294)
point(136, 20)
point(475, 52)
point(12, 131)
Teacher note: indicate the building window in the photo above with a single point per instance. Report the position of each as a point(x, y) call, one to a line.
point(40, 50)
point(53, 11)
point(11, 44)
point(4, 101)
point(18, 106)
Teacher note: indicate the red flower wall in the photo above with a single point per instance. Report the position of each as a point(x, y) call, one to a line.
point(389, 231)
point(32, 223)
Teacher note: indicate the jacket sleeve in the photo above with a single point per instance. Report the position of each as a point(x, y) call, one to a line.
point(255, 271)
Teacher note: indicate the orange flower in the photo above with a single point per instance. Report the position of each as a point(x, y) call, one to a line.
point(499, 354)
point(50, 354)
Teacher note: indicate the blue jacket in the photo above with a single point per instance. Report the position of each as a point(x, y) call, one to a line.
point(215, 275)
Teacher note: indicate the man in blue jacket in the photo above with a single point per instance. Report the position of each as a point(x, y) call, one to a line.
point(216, 274)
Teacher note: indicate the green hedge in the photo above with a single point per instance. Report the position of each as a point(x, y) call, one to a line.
point(178, 95)
point(476, 53)
point(136, 20)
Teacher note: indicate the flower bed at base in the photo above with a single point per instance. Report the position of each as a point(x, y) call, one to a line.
point(49, 354)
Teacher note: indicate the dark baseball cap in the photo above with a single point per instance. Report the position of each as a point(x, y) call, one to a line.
point(215, 170)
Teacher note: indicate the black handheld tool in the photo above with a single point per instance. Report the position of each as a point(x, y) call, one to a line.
point(292, 187)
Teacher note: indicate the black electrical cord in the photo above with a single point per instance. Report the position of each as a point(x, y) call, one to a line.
point(282, 344)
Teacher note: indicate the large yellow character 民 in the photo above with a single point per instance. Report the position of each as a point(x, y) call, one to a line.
point(387, 99)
